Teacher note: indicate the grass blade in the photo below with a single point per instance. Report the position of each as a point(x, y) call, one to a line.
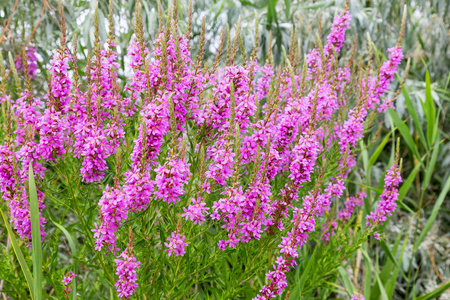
point(404, 130)
point(35, 236)
point(305, 273)
point(434, 213)
point(431, 165)
point(408, 182)
point(435, 293)
point(73, 250)
point(377, 277)
point(348, 284)
point(391, 257)
point(390, 285)
point(415, 118)
point(379, 149)
point(19, 255)
point(430, 110)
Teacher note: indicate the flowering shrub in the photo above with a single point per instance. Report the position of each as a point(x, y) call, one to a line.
point(232, 167)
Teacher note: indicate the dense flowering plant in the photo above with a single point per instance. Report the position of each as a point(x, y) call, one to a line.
point(233, 167)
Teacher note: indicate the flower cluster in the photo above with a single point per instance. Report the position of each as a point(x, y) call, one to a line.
point(114, 209)
point(389, 197)
point(126, 268)
point(31, 60)
point(170, 180)
point(67, 280)
point(176, 244)
point(350, 204)
point(196, 211)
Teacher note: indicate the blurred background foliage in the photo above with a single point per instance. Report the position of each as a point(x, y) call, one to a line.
point(414, 258)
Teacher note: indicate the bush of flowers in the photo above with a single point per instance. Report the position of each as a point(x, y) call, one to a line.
point(194, 179)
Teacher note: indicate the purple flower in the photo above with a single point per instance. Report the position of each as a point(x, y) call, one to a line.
point(222, 156)
point(263, 83)
point(176, 244)
point(350, 204)
point(389, 197)
point(31, 60)
point(170, 180)
point(126, 268)
point(67, 279)
point(196, 211)
point(113, 211)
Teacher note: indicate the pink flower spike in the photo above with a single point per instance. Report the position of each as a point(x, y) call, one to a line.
point(176, 244)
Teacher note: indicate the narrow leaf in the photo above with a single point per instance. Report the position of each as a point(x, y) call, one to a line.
point(73, 250)
point(19, 255)
point(377, 277)
point(391, 257)
point(412, 110)
point(35, 236)
point(431, 165)
point(408, 182)
point(379, 149)
point(434, 213)
point(430, 110)
point(436, 292)
point(404, 130)
point(348, 284)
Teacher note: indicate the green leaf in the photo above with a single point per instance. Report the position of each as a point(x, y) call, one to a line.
point(430, 110)
point(434, 213)
point(377, 277)
point(387, 269)
point(73, 250)
point(391, 283)
point(408, 182)
point(287, 4)
point(431, 165)
point(35, 236)
point(379, 149)
point(348, 284)
point(367, 280)
point(403, 205)
point(19, 255)
point(391, 257)
point(307, 271)
point(415, 118)
point(404, 130)
point(320, 4)
point(435, 293)
point(436, 127)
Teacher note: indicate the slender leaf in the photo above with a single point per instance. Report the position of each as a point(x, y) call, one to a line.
point(430, 110)
point(377, 277)
point(19, 255)
point(367, 280)
point(307, 272)
point(434, 213)
point(35, 236)
point(415, 118)
point(318, 5)
point(408, 182)
point(391, 257)
point(348, 284)
point(436, 292)
point(73, 250)
point(393, 279)
point(404, 130)
point(379, 149)
point(431, 165)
